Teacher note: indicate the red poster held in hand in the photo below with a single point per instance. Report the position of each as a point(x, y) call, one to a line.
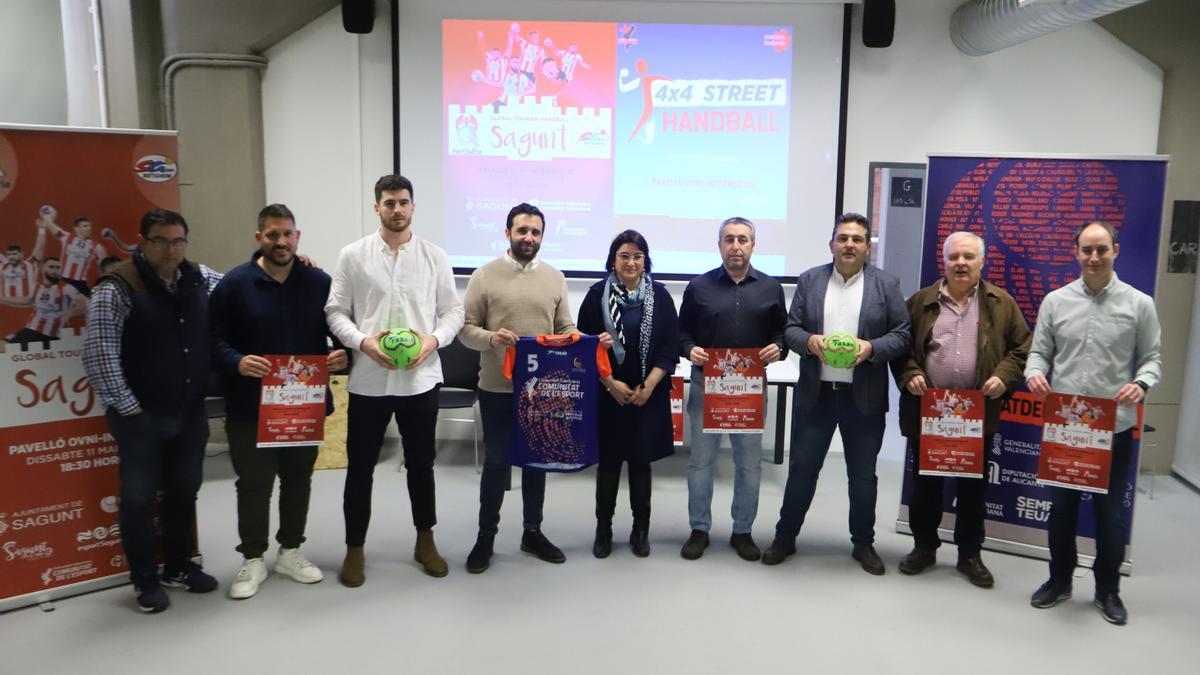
point(677, 408)
point(1077, 438)
point(735, 383)
point(952, 433)
point(291, 409)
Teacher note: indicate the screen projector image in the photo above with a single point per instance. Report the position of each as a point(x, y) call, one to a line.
point(664, 128)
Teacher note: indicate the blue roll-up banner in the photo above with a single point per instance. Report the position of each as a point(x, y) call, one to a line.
point(1027, 208)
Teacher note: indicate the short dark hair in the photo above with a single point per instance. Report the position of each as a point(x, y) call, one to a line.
point(274, 211)
point(14, 247)
point(856, 218)
point(627, 237)
point(1112, 231)
point(159, 217)
point(108, 260)
point(393, 183)
point(80, 219)
point(49, 258)
point(523, 209)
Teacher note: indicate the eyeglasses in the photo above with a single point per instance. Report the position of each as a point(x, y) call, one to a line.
point(163, 242)
point(631, 257)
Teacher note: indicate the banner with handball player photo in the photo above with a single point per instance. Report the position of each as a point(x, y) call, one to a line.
point(70, 203)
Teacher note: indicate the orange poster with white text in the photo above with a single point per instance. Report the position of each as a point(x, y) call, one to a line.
point(70, 203)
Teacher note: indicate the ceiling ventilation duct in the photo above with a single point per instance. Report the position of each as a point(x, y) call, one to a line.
point(981, 27)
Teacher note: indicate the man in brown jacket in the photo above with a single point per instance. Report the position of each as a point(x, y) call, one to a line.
point(967, 334)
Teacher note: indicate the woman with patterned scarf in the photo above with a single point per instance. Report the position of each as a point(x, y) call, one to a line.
point(635, 416)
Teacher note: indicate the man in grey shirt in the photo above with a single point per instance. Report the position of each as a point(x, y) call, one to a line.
point(1096, 336)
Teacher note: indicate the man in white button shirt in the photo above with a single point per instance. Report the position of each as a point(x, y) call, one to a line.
point(392, 279)
point(1096, 336)
point(847, 296)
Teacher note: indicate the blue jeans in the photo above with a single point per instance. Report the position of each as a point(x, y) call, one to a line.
point(747, 463)
point(862, 436)
point(1109, 514)
point(496, 411)
point(159, 451)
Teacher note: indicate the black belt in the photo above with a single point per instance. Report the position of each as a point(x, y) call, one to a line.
point(835, 386)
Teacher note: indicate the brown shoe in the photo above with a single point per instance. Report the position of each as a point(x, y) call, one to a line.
point(918, 560)
point(975, 571)
point(426, 553)
point(352, 573)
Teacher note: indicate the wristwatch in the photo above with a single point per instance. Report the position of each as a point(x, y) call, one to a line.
point(1145, 387)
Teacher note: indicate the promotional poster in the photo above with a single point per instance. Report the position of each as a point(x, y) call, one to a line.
point(64, 223)
point(613, 126)
point(952, 433)
point(735, 399)
point(677, 408)
point(1077, 439)
point(292, 406)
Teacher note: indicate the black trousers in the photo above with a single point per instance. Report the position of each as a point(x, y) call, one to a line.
point(367, 418)
point(159, 451)
point(608, 480)
point(1111, 528)
point(256, 469)
point(925, 508)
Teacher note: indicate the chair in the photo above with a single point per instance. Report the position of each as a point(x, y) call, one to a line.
point(460, 375)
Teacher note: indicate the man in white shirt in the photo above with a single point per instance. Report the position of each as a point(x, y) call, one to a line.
point(392, 279)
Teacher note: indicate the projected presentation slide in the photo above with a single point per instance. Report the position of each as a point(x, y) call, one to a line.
point(607, 126)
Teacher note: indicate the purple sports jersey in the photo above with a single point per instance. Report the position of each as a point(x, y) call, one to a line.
point(555, 391)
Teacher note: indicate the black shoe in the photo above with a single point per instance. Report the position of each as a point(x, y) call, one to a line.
point(602, 547)
point(745, 546)
point(1111, 608)
point(975, 571)
point(191, 577)
point(694, 547)
point(151, 598)
point(781, 549)
point(533, 541)
point(871, 562)
point(1050, 594)
point(639, 541)
point(480, 557)
point(918, 560)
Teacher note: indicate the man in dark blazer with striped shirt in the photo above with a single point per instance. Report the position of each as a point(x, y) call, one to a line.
point(847, 296)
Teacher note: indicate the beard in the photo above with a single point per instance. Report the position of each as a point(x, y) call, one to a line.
point(522, 253)
point(280, 257)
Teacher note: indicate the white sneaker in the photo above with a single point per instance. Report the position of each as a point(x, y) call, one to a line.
point(252, 574)
point(292, 563)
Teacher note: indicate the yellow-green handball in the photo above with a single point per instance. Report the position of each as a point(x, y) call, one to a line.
point(401, 345)
point(841, 349)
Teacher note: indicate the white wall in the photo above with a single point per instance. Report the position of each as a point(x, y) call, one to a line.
point(33, 76)
point(1079, 90)
point(327, 132)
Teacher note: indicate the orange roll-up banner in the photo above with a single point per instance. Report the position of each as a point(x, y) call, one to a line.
point(70, 201)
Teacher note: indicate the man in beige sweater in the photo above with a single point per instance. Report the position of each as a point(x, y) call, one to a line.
point(512, 296)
